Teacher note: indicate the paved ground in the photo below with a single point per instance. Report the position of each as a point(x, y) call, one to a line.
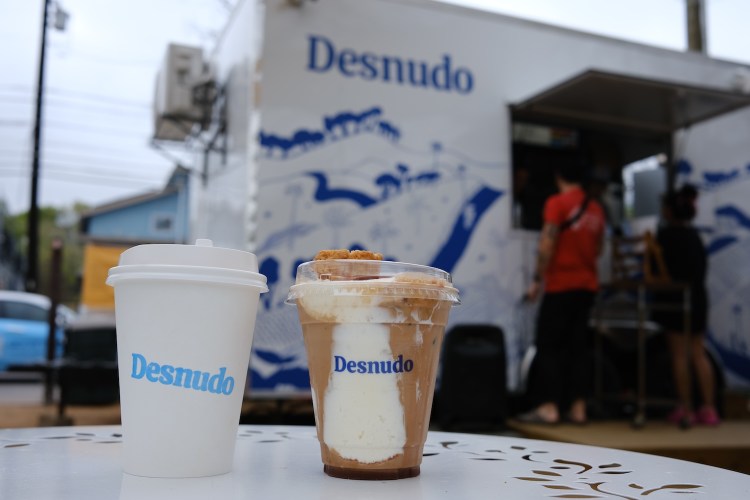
point(21, 394)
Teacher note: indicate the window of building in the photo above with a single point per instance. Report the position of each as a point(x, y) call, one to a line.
point(162, 223)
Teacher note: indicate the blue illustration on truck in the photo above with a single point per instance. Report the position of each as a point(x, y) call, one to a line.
point(361, 193)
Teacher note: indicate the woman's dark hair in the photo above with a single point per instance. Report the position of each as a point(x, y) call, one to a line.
point(569, 172)
point(681, 203)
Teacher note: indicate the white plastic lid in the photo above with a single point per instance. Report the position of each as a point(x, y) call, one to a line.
point(199, 262)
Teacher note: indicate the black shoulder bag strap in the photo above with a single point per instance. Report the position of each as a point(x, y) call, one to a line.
point(569, 222)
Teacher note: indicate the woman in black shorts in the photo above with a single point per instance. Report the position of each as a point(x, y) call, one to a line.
point(686, 262)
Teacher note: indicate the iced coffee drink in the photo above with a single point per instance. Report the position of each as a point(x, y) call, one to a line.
point(373, 332)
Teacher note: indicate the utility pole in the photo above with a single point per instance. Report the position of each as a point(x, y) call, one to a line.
point(32, 252)
point(32, 227)
point(54, 295)
point(696, 26)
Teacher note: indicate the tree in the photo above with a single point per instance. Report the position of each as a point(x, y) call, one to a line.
point(51, 226)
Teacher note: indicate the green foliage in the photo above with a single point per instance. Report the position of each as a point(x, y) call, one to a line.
point(72, 250)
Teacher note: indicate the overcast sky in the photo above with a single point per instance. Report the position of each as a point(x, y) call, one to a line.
point(101, 70)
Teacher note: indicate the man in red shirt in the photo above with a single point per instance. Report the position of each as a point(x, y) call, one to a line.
point(566, 269)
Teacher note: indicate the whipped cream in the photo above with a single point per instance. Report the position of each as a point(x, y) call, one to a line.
point(364, 417)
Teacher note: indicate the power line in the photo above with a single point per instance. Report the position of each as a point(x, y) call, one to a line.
point(54, 144)
point(56, 167)
point(13, 99)
point(99, 59)
point(108, 164)
point(54, 103)
point(82, 176)
point(75, 94)
point(74, 179)
point(81, 154)
point(93, 171)
point(15, 87)
point(81, 167)
point(81, 127)
point(101, 162)
point(84, 127)
point(14, 123)
point(97, 97)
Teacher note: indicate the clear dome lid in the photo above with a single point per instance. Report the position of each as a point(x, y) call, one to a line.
point(372, 277)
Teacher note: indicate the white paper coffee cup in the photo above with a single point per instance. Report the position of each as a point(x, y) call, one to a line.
point(185, 317)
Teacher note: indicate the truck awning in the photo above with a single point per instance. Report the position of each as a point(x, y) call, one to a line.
point(622, 101)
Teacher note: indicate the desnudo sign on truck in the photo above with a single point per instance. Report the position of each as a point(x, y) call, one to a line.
point(388, 125)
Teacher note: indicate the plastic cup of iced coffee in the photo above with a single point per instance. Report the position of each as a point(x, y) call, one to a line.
point(372, 331)
point(185, 316)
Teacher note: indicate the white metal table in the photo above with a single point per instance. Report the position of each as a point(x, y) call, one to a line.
point(280, 462)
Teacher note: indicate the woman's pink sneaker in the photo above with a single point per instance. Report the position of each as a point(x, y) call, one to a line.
point(680, 416)
point(708, 416)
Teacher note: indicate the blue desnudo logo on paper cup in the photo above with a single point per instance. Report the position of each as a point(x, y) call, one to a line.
point(178, 376)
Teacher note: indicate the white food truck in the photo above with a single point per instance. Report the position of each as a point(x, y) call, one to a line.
point(429, 132)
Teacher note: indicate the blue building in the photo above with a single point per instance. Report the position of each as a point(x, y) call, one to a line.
point(153, 217)
point(108, 230)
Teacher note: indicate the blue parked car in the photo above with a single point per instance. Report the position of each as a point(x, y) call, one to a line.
point(24, 327)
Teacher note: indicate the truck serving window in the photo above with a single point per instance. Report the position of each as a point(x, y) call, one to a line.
point(602, 121)
point(537, 150)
